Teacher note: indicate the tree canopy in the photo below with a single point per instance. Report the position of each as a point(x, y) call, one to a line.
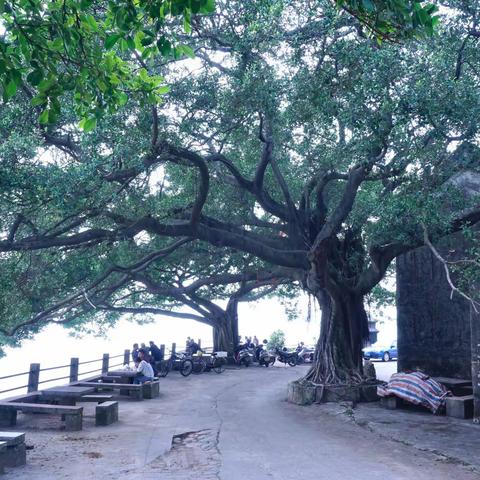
point(290, 141)
point(84, 48)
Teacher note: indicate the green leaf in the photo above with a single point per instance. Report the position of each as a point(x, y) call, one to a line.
point(122, 98)
point(89, 124)
point(43, 118)
point(38, 100)
point(35, 77)
point(10, 89)
point(208, 6)
point(162, 90)
point(111, 40)
point(164, 46)
point(188, 51)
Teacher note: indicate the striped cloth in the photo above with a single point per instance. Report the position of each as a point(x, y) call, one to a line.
point(417, 388)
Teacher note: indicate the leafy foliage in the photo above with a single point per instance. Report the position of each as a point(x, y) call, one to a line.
point(85, 48)
point(394, 19)
point(276, 340)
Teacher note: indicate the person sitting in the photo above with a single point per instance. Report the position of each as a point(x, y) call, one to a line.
point(144, 370)
point(155, 352)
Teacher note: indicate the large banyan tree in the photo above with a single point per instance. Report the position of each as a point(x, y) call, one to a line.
point(291, 139)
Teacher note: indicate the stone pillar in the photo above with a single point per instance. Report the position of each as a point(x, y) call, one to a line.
point(73, 370)
point(105, 361)
point(33, 377)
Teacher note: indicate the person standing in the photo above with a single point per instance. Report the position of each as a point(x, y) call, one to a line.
point(135, 351)
point(255, 341)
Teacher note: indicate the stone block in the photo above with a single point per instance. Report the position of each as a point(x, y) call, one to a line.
point(390, 403)
point(460, 407)
point(301, 394)
point(368, 393)
point(8, 416)
point(151, 389)
point(73, 421)
point(106, 413)
point(12, 438)
point(339, 393)
point(15, 453)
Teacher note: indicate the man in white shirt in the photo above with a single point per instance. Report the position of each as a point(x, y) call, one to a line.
point(144, 369)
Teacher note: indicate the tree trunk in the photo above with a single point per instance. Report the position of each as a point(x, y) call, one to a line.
point(225, 329)
point(344, 331)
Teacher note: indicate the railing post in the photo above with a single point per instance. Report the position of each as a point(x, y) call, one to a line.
point(33, 377)
point(73, 370)
point(162, 351)
point(174, 348)
point(105, 361)
point(126, 357)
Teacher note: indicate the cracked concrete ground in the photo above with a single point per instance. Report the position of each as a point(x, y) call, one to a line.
point(237, 424)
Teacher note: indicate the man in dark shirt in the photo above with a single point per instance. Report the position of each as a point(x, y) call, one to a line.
point(155, 352)
point(193, 347)
point(135, 351)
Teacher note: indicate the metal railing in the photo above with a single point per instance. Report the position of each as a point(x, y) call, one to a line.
point(73, 374)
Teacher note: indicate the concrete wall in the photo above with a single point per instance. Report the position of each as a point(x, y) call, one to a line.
point(433, 329)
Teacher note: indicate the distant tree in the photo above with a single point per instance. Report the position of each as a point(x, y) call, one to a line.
point(276, 340)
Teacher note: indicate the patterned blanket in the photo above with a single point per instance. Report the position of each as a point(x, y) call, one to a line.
point(417, 388)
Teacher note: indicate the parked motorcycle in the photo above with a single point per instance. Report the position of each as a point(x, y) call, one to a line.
point(244, 357)
point(264, 357)
point(287, 357)
point(305, 355)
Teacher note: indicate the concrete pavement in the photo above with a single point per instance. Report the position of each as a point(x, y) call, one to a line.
point(227, 427)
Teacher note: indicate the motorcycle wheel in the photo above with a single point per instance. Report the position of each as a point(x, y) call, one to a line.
point(292, 362)
point(245, 362)
point(267, 364)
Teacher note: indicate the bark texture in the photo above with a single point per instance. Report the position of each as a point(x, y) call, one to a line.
point(344, 329)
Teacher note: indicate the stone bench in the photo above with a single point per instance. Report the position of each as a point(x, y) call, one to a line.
point(15, 454)
point(96, 398)
point(460, 407)
point(135, 391)
point(151, 389)
point(106, 413)
point(73, 415)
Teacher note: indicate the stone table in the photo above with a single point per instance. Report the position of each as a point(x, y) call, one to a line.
point(65, 395)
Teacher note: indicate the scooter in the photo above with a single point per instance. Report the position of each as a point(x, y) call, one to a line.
point(290, 358)
point(264, 357)
point(305, 355)
point(243, 357)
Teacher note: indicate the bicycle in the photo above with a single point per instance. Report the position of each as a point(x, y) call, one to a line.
point(185, 365)
point(216, 363)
